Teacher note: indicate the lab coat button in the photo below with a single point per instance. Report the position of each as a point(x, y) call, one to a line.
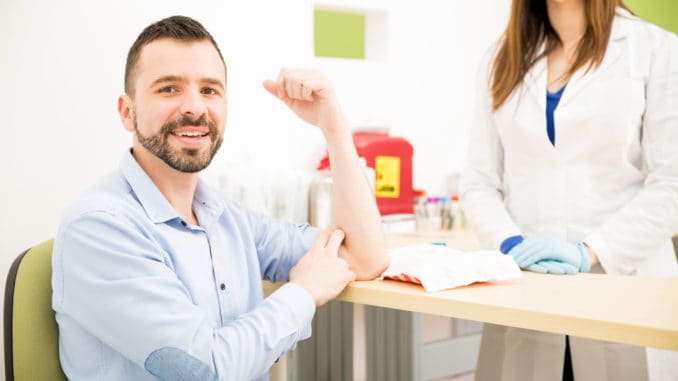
point(222, 287)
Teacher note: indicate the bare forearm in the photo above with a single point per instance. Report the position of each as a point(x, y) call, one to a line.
point(354, 207)
point(311, 96)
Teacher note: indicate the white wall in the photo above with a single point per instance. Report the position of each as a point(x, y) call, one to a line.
point(61, 70)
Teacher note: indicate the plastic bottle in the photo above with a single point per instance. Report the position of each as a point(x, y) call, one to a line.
point(459, 220)
point(446, 215)
point(420, 214)
point(320, 200)
point(433, 212)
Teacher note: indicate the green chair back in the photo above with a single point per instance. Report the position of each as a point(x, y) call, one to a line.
point(31, 334)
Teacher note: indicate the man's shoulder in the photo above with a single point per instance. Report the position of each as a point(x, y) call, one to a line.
point(111, 195)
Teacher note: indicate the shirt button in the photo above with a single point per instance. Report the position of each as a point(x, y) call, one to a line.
point(222, 287)
point(183, 223)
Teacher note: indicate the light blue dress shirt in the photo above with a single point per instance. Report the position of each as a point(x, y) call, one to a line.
point(140, 294)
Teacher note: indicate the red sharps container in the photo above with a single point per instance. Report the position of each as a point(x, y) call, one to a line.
point(391, 158)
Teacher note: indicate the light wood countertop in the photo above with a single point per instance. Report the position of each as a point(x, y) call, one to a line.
point(627, 309)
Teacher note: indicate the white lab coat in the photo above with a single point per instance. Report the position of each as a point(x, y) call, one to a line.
point(611, 181)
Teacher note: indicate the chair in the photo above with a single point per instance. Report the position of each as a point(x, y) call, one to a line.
point(31, 334)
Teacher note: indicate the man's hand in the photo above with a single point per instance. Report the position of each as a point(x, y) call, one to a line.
point(321, 272)
point(310, 95)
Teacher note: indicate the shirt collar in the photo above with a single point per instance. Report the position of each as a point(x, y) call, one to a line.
point(151, 199)
point(155, 204)
point(620, 25)
point(209, 201)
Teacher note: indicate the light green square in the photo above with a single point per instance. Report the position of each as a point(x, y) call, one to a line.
point(661, 12)
point(339, 34)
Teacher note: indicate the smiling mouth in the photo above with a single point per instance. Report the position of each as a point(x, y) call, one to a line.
point(191, 134)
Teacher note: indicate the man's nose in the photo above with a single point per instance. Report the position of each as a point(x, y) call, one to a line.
point(193, 104)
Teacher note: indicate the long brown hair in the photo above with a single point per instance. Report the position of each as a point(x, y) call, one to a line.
point(529, 28)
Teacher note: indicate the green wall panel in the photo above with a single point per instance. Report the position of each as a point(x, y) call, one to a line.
point(661, 12)
point(339, 34)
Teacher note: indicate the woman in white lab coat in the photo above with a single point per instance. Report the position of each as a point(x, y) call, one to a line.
point(591, 185)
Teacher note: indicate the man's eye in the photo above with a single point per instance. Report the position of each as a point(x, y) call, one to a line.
point(167, 89)
point(209, 91)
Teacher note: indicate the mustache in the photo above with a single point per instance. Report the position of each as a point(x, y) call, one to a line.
point(184, 121)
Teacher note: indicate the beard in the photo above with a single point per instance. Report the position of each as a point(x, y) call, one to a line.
point(188, 160)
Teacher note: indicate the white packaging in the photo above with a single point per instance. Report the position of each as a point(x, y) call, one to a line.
point(439, 268)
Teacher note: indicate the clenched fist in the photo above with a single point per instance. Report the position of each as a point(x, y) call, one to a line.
point(310, 95)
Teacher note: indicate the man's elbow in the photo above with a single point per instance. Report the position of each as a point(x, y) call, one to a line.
point(175, 364)
point(373, 266)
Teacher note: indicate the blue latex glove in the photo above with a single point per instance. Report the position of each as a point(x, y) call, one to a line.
point(540, 252)
point(548, 266)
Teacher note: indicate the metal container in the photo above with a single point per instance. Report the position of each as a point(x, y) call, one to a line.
point(320, 201)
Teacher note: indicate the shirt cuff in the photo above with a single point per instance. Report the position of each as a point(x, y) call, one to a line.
point(585, 259)
point(300, 303)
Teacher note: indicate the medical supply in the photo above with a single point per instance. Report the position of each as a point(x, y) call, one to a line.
point(433, 213)
point(438, 268)
point(421, 216)
point(446, 213)
point(391, 159)
point(320, 200)
point(419, 197)
point(437, 213)
point(320, 195)
point(457, 211)
point(281, 193)
point(399, 223)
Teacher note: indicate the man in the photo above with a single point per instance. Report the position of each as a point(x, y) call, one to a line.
point(156, 276)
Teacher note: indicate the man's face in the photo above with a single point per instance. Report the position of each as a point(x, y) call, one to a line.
point(178, 110)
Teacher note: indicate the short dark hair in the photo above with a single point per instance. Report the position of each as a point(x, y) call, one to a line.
point(180, 28)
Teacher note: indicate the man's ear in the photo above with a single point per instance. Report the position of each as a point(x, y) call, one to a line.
point(126, 111)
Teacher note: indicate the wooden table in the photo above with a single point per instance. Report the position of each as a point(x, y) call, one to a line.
point(626, 309)
point(633, 310)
